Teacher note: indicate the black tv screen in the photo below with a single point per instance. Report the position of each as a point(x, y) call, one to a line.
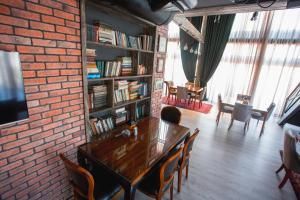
point(13, 106)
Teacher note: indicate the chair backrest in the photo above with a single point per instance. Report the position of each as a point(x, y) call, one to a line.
point(188, 146)
point(168, 85)
point(242, 112)
point(290, 156)
point(219, 102)
point(270, 109)
point(243, 97)
point(182, 92)
point(81, 180)
point(171, 114)
point(168, 169)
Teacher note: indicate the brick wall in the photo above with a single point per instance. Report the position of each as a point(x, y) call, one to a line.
point(157, 94)
point(47, 35)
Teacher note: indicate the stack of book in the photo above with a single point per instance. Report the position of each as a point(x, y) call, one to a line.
point(102, 125)
point(140, 111)
point(126, 66)
point(91, 67)
point(120, 116)
point(106, 35)
point(133, 90)
point(141, 70)
point(143, 89)
point(109, 68)
point(99, 96)
point(121, 93)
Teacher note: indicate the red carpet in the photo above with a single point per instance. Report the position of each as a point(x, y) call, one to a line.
point(205, 108)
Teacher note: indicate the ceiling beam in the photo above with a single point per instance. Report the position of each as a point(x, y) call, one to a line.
point(188, 27)
point(236, 8)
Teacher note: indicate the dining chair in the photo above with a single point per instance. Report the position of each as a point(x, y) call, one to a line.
point(223, 108)
point(159, 180)
point(243, 97)
point(185, 158)
point(289, 157)
point(182, 94)
point(171, 114)
point(90, 185)
point(264, 116)
point(200, 94)
point(242, 113)
point(171, 92)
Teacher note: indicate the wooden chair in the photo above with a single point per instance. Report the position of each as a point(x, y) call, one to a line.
point(161, 179)
point(182, 94)
point(223, 108)
point(171, 114)
point(200, 94)
point(185, 159)
point(290, 159)
point(90, 187)
point(263, 115)
point(242, 113)
point(171, 92)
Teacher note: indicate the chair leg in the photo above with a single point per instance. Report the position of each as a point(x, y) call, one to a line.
point(231, 122)
point(284, 180)
point(280, 168)
point(218, 117)
point(171, 192)
point(187, 171)
point(179, 180)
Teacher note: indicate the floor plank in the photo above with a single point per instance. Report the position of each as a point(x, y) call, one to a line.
point(231, 165)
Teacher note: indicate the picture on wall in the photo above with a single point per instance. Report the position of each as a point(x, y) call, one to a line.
point(162, 44)
point(160, 65)
point(158, 84)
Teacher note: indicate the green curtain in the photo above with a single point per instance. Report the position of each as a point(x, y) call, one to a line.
point(189, 59)
point(216, 37)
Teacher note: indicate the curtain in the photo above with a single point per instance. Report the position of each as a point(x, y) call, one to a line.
point(280, 68)
point(188, 58)
point(216, 37)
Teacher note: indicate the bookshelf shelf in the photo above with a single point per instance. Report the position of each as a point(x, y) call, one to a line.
point(97, 110)
point(91, 43)
point(119, 78)
point(117, 105)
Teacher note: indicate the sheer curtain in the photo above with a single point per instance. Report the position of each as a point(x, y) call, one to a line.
point(173, 67)
point(280, 68)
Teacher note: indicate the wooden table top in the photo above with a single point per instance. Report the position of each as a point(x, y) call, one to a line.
point(191, 88)
point(132, 157)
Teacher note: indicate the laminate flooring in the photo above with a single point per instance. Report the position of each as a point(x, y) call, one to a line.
point(231, 165)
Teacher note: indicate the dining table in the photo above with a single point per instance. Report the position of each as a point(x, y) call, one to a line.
point(191, 88)
point(129, 158)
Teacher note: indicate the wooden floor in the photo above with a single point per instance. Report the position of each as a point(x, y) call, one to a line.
point(231, 165)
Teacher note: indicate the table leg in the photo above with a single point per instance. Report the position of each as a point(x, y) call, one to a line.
point(263, 127)
point(129, 192)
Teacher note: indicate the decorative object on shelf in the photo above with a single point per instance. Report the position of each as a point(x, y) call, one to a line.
point(158, 84)
point(162, 44)
point(141, 70)
point(160, 65)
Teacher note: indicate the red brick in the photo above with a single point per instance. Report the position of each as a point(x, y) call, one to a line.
point(69, 2)
point(39, 9)
point(76, 90)
point(40, 123)
point(52, 113)
point(35, 117)
point(53, 86)
point(34, 81)
point(59, 105)
point(75, 78)
point(57, 51)
point(71, 108)
point(29, 132)
point(33, 66)
point(4, 10)
point(19, 142)
point(13, 21)
point(57, 79)
point(62, 14)
point(42, 42)
point(48, 73)
point(73, 24)
point(14, 39)
point(39, 95)
point(50, 100)
point(52, 125)
point(64, 44)
point(38, 109)
point(33, 103)
point(31, 89)
point(71, 119)
point(54, 36)
point(25, 14)
point(8, 138)
point(31, 145)
point(69, 72)
point(46, 58)
point(22, 168)
point(52, 4)
point(55, 148)
point(14, 3)
point(6, 29)
point(30, 49)
point(56, 65)
point(67, 30)
point(14, 129)
point(73, 38)
point(26, 58)
point(53, 20)
point(44, 146)
point(73, 10)
point(70, 97)
point(68, 58)
point(61, 117)
point(28, 74)
point(9, 153)
point(70, 84)
point(42, 26)
point(28, 32)
point(42, 135)
point(59, 92)
point(76, 52)
point(20, 155)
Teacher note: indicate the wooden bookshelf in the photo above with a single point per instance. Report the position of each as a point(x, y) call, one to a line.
point(128, 24)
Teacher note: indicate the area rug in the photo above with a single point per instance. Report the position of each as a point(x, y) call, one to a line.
point(205, 108)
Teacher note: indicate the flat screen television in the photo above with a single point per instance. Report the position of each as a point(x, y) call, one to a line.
point(13, 106)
